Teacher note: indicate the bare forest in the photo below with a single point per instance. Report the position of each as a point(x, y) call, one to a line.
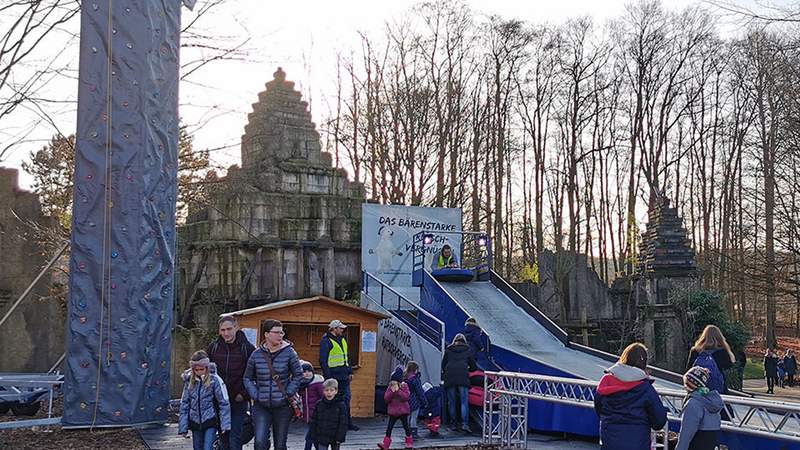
point(558, 136)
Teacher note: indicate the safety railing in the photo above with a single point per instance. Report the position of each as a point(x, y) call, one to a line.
point(429, 327)
point(506, 395)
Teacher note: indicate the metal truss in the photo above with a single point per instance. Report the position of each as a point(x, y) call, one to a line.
point(506, 396)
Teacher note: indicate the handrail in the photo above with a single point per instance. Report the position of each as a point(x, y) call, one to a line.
point(424, 329)
point(506, 392)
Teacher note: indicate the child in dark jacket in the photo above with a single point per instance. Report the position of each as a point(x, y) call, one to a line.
point(311, 391)
point(417, 399)
point(329, 420)
point(627, 403)
point(432, 414)
point(396, 398)
point(701, 413)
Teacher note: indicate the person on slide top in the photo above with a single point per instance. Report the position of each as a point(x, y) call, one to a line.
point(627, 403)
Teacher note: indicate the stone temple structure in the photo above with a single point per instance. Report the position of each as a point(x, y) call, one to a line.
point(287, 224)
point(33, 337)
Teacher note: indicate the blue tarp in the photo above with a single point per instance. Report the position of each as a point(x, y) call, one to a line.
point(123, 226)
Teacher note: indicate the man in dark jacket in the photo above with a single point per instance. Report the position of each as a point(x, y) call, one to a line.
point(457, 363)
point(230, 352)
point(335, 363)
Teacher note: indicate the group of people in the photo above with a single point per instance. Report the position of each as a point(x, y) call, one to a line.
point(779, 370)
point(629, 407)
point(233, 378)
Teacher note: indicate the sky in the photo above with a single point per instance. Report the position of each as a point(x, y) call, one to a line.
point(302, 36)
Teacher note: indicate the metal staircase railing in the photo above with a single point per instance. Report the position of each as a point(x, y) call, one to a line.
point(506, 396)
point(424, 324)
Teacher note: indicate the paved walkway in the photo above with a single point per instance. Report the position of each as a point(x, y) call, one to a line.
point(759, 388)
point(372, 431)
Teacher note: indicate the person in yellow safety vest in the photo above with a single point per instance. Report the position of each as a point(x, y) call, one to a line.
point(446, 259)
point(334, 361)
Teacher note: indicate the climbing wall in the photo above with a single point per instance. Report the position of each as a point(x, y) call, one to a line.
point(123, 226)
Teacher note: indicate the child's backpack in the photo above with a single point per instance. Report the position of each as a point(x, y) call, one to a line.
point(716, 382)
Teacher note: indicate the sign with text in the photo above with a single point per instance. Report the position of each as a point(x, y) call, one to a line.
point(387, 238)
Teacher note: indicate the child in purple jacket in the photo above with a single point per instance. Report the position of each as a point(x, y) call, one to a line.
point(311, 394)
point(396, 397)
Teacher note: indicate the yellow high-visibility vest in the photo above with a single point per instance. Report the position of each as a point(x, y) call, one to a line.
point(337, 357)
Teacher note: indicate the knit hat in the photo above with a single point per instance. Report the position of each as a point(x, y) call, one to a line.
point(306, 366)
point(397, 375)
point(697, 376)
point(471, 321)
point(202, 363)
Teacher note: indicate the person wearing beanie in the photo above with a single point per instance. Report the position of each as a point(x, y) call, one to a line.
point(701, 420)
point(417, 401)
point(432, 414)
point(398, 408)
point(311, 392)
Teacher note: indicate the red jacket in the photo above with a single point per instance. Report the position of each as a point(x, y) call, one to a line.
point(397, 402)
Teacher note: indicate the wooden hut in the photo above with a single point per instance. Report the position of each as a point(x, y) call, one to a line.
point(306, 320)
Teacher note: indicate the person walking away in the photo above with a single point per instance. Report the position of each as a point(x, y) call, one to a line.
point(781, 370)
point(457, 363)
point(432, 414)
point(204, 409)
point(230, 352)
point(398, 408)
point(790, 364)
point(701, 420)
point(272, 377)
point(476, 338)
point(770, 370)
point(627, 403)
point(310, 394)
point(712, 351)
point(741, 364)
point(335, 363)
point(417, 400)
point(329, 420)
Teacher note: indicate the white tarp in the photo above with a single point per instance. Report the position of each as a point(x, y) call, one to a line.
point(397, 344)
point(387, 238)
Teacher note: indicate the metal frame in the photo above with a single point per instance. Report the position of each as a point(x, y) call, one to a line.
point(400, 308)
point(21, 387)
point(505, 392)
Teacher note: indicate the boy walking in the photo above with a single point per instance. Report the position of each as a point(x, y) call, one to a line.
point(328, 425)
point(701, 413)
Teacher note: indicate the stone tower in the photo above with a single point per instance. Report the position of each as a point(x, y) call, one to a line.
point(666, 263)
point(286, 225)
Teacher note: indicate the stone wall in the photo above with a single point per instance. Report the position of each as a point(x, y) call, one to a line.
point(32, 339)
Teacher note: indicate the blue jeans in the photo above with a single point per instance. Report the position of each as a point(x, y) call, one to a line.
point(412, 419)
point(462, 393)
point(344, 394)
point(204, 440)
point(232, 440)
point(309, 443)
point(277, 417)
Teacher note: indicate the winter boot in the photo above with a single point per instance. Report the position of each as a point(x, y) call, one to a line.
point(387, 442)
point(415, 433)
point(409, 442)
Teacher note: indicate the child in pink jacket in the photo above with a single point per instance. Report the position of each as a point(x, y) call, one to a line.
point(396, 398)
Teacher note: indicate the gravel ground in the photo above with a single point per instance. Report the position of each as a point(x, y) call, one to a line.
point(46, 438)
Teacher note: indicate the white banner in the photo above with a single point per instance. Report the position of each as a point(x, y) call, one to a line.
point(387, 233)
point(398, 344)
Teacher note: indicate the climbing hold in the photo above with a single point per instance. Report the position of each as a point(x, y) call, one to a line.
point(114, 254)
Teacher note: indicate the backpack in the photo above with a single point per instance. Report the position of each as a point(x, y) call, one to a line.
point(716, 381)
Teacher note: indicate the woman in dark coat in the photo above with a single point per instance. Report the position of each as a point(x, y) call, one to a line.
point(628, 405)
point(457, 363)
point(771, 370)
point(790, 365)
